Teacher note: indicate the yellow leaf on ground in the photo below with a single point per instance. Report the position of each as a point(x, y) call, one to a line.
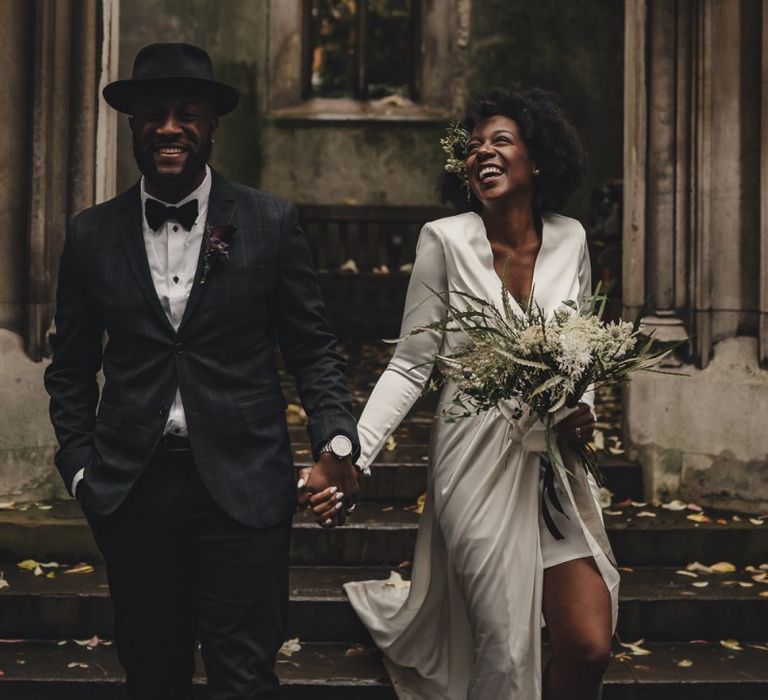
point(692, 574)
point(723, 567)
point(697, 566)
point(757, 521)
point(420, 501)
point(93, 642)
point(674, 505)
point(685, 663)
point(636, 648)
point(390, 444)
point(700, 584)
point(76, 664)
point(646, 514)
point(732, 644)
point(613, 512)
point(28, 565)
point(81, 568)
point(699, 518)
point(761, 647)
point(349, 266)
point(3, 582)
point(763, 594)
point(295, 414)
point(290, 647)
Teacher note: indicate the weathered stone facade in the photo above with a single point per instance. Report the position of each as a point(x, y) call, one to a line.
point(696, 244)
point(695, 172)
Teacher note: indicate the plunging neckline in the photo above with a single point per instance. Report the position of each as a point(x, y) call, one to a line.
point(488, 265)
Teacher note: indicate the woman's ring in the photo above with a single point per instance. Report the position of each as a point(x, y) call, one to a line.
point(352, 508)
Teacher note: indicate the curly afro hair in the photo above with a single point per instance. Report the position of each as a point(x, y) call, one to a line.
point(551, 140)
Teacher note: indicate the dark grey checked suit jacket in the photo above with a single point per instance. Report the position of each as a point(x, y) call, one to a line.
point(222, 358)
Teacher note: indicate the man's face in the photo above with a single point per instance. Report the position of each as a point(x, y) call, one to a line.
point(172, 138)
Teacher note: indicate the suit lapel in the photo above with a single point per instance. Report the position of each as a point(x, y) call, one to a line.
point(221, 210)
point(131, 225)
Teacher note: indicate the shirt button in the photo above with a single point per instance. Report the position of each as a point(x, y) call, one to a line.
point(175, 228)
point(163, 409)
point(179, 348)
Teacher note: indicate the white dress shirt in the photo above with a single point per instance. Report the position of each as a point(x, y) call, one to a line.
point(172, 254)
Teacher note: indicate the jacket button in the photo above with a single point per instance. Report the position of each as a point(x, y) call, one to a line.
point(179, 348)
point(163, 409)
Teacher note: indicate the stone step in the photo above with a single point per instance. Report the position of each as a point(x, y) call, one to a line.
point(655, 603)
point(381, 534)
point(343, 672)
point(316, 672)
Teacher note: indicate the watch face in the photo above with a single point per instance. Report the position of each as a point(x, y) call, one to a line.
point(341, 446)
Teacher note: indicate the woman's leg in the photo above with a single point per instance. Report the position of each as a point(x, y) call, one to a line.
point(577, 610)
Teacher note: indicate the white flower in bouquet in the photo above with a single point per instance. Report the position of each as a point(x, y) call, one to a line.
point(543, 362)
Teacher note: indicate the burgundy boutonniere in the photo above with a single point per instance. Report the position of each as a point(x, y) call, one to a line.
point(216, 241)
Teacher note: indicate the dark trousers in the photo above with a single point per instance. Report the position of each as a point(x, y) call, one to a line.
point(180, 569)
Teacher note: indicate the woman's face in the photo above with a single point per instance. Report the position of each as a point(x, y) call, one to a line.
point(499, 166)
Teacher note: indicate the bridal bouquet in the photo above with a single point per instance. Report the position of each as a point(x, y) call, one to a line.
point(543, 362)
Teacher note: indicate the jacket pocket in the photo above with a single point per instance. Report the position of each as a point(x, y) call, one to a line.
point(261, 406)
point(109, 415)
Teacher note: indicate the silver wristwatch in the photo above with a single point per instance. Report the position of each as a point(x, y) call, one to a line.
point(340, 446)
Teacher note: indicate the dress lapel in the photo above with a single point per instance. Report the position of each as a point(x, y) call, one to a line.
point(221, 210)
point(130, 223)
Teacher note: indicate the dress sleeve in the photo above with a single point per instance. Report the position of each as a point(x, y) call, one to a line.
point(408, 371)
point(585, 291)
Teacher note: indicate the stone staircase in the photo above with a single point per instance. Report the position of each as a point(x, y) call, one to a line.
point(681, 620)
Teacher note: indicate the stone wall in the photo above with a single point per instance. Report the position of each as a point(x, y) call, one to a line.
point(16, 36)
point(310, 158)
point(696, 245)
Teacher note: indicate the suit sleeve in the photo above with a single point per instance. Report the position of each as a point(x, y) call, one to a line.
point(70, 379)
point(307, 343)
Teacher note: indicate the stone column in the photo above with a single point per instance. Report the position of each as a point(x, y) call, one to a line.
point(71, 58)
point(693, 241)
point(58, 157)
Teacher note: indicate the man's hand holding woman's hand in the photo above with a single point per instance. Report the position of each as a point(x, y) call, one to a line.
point(329, 488)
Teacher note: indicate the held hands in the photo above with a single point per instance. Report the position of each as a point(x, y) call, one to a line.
point(578, 426)
point(329, 488)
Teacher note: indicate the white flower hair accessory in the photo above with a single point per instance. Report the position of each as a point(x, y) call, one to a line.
point(454, 144)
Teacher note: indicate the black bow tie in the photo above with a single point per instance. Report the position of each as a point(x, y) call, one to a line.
point(157, 214)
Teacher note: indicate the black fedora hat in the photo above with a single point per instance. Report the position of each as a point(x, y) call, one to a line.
point(177, 68)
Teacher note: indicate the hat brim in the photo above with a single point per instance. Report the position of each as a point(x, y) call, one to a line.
point(121, 93)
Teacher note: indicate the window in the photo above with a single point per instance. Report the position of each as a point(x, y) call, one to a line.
point(361, 49)
point(342, 60)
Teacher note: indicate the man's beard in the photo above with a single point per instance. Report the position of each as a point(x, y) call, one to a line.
point(194, 164)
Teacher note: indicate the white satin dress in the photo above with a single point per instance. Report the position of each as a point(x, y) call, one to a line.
point(469, 625)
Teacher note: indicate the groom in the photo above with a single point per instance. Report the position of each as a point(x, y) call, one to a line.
point(180, 289)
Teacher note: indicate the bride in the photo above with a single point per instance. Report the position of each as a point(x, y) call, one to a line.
point(487, 566)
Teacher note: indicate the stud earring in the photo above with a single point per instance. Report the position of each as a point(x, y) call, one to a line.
point(536, 172)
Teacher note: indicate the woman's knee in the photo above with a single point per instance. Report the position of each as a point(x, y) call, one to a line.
point(588, 656)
